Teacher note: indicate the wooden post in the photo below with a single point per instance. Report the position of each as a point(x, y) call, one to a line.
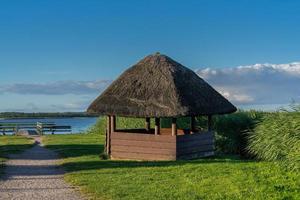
point(193, 123)
point(147, 123)
point(157, 126)
point(112, 129)
point(108, 132)
point(209, 122)
point(16, 129)
point(113, 123)
point(174, 127)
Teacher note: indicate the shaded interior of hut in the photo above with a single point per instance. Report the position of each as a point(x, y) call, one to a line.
point(164, 126)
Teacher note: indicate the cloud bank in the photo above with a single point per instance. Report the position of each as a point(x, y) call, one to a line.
point(256, 84)
point(245, 86)
point(56, 88)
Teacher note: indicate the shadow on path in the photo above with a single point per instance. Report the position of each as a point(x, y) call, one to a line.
point(35, 174)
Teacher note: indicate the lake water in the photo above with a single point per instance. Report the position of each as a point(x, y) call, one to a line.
point(78, 124)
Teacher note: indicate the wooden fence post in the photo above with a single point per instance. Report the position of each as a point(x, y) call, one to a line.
point(157, 126)
point(147, 124)
point(174, 127)
point(193, 123)
point(209, 122)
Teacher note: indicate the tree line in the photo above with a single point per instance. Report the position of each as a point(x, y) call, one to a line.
point(44, 115)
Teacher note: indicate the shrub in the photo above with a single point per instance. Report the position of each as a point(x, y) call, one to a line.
point(122, 122)
point(232, 129)
point(99, 127)
point(131, 123)
point(182, 122)
point(277, 138)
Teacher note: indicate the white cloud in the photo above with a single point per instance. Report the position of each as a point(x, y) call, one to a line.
point(56, 88)
point(71, 106)
point(241, 98)
point(74, 106)
point(256, 84)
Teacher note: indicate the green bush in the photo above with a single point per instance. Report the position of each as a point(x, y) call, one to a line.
point(277, 138)
point(122, 123)
point(232, 129)
point(99, 127)
point(182, 122)
point(131, 123)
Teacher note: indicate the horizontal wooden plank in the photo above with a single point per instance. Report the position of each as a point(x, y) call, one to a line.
point(196, 155)
point(143, 137)
point(141, 156)
point(7, 131)
point(163, 131)
point(149, 150)
point(191, 144)
point(163, 145)
point(168, 131)
point(195, 136)
point(58, 130)
point(135, 130)
point(194, 149)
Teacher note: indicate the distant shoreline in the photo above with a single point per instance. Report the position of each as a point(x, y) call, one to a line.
point(20, 115)
point(5, 118)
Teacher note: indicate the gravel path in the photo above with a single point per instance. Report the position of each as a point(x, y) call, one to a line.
point(35, 174)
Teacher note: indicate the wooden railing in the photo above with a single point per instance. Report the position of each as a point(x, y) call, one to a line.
point(41, 128)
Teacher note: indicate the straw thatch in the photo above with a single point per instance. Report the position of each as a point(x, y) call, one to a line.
point(158, 86)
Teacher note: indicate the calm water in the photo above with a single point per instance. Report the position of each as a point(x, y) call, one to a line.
point(79, 124)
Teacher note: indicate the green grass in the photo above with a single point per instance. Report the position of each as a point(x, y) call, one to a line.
point(12, 145)
point(214, 178)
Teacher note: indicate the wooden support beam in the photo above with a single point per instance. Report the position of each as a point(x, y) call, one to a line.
point(108, 134)
point(113, 123)
point(147, 123)
point(174, 127)
point(157, 126)
point(209, 122)
point(193, 123)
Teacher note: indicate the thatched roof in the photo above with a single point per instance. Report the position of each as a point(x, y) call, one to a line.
point(158, 86)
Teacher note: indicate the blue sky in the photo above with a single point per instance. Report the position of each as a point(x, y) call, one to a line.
point(59, 55)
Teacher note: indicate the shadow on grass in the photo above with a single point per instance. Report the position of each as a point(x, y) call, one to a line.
point(112, 164)
point(5, 150)
point(77, 150)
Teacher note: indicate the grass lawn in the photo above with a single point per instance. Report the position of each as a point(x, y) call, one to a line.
point(215, 178)
point(11, 145)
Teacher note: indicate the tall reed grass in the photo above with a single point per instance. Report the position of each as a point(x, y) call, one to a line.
point(277, 138)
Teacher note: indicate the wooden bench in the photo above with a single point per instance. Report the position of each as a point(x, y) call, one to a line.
point(42, 128)
point(14, 127)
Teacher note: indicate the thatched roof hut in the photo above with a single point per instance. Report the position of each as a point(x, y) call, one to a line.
point(157, 87)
